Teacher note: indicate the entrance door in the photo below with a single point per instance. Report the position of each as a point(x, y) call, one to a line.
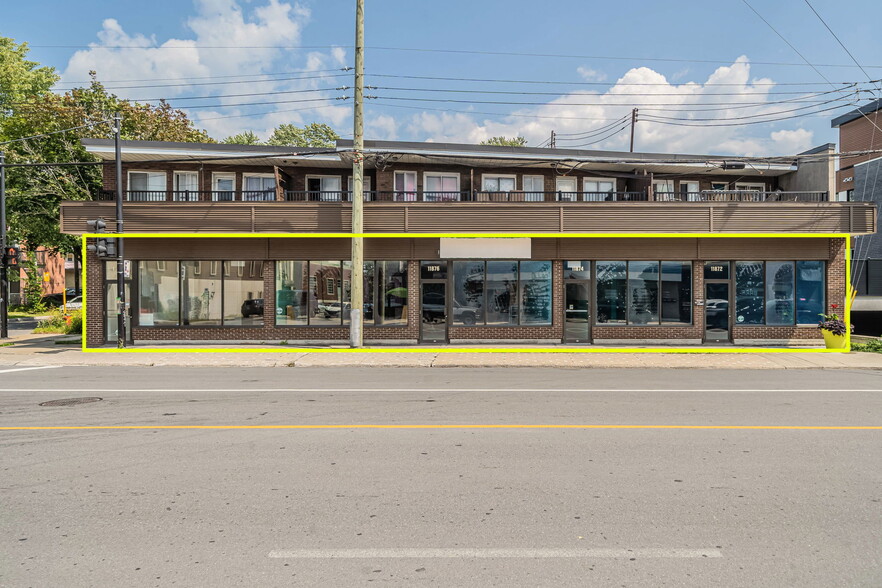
point(716, 311)
point(577, 315)
point(110, 312)
point(433, 298)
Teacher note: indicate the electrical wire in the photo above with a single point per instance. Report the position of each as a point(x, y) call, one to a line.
point(617, 94)
point(609, 136)
point(187, 84)
point(56, 132)
point(279, 73)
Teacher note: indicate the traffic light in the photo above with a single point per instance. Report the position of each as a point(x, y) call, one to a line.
point(103, 246)
point(12, 255)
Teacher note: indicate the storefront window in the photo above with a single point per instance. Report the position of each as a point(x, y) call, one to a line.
point(749, 293)
point(676, 292)
point(535, 292)
point(201, 293)
point(779, 293)
point(243, 293)
point(642, 292)
point(325, 293)
point(392, 291)
point(158, 294)
point(502, 292)
point(368, 280)
point(468, 292)
point(292, 293)
point(611, 291)
point(345, 289)
point(809, 291)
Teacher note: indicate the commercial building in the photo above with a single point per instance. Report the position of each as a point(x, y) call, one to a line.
point(858, 180)
point(624, 248)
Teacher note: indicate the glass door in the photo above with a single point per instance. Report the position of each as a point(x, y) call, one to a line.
point(577, 315)
point(433, 327)
point(716, 311)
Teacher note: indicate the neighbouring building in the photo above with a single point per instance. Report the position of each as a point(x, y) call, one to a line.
point(858, 180)
point(626, 248)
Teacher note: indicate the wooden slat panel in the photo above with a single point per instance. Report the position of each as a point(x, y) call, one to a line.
point(193, 248)
point(779, 248)
point(629, 249)
point(833, 217)
point(317, 249)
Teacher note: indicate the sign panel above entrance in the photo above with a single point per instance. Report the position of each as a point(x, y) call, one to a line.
point(485, 248)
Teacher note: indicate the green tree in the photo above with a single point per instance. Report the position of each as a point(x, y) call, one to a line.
point(29, 108)
point(506, 141)
point(244, 138)
point(312, 135)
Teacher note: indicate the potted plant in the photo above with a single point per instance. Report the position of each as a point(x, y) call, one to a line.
point(834, 329)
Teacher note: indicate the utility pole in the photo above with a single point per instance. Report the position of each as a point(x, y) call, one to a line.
point(356, 335)
point(120, 258)
point(4, 279)
point(552, 143)
point(633, 122)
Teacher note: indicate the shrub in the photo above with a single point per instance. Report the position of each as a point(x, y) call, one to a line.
point(57, 322)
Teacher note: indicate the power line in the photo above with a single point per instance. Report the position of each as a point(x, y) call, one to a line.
point(55, 132)
point(841, 44)
point(735, 124)
point(523, 93)
point(280, 73)
point(449, 51)
point(324, 76)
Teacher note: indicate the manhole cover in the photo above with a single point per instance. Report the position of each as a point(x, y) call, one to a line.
point(70, 401)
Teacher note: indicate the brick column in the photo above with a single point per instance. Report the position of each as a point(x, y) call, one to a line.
point(95, 311)
point(836, 287)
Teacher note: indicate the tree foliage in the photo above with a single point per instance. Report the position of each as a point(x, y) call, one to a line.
point(506, 141)
point(311, 135)
point(244, 138)
point(29, 107)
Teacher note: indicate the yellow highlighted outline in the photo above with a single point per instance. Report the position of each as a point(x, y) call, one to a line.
point(305, 427)
point(696, 349)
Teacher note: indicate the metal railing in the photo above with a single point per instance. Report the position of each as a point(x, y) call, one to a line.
point(740, 196)
point(462, 196)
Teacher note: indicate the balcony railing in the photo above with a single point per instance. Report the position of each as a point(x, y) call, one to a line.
point(463, 196)
point(740, 196)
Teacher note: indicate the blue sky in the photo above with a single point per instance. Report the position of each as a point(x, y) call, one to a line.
point(712, 59)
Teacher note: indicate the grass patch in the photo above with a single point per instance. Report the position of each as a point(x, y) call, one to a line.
point(68, 341)
point(9, 344)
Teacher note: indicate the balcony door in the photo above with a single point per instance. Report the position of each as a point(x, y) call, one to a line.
point(567, 189)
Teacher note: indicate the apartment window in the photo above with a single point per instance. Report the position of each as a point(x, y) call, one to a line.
point(256, 187)
point(300, 303)
point(223, 187)
point(690, 191)
point(498, 183)
point(146, 186)
point(534, 188)
point(365, 186)
point(566, 189)
point(324, 188)
point(718, 186)
point(644, 292)
point(439, 187)
point(405, 186)
point(597, 190)
point(186, 186)
point(750, 187)
point(663, 190)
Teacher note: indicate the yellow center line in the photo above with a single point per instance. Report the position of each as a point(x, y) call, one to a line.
point(736, 427)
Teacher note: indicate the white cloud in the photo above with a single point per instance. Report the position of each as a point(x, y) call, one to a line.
point(590, 75)
point(584, 112)
point(382, 128)
point(253, 34)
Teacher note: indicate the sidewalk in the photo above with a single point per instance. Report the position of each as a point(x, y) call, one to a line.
point(41, 350)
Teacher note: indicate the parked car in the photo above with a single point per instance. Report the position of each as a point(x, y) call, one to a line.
point(253, 306)
point(75, 303)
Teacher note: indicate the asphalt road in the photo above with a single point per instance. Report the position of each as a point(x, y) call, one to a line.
point(483, 502)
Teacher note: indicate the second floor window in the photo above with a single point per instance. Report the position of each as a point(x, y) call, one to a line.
point(224, 187)
point(258, 188)
point(598, 189)
point(405, 186)
point(186, 187)
point(534, 188)
point(440, 187)
point(324, 188)
point(146, 186)
point(498, 184)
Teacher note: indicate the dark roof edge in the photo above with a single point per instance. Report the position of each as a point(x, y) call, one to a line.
point(856, 113)
point(819, 149)
point(209, 147)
